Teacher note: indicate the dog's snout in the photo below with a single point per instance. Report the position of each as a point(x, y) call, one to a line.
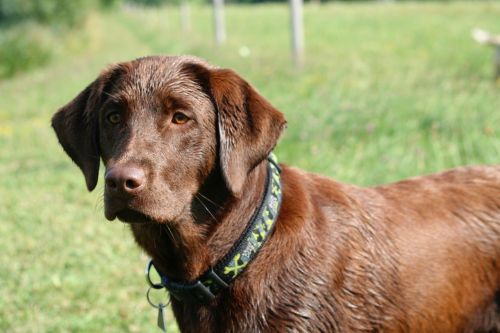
point(125, 179)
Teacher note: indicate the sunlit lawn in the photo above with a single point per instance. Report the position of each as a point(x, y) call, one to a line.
point(388, 91)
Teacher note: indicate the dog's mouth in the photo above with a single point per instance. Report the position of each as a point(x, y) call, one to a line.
point(128, 215)
point(140, 212)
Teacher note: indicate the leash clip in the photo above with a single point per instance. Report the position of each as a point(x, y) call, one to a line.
point(162, 315)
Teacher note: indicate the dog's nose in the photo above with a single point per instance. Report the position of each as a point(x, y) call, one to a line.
point(125, 179)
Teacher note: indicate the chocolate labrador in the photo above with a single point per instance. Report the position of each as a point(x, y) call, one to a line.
point(244, 244)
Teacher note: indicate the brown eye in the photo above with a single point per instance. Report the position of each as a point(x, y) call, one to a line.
point(114, 118)
point(179, 118)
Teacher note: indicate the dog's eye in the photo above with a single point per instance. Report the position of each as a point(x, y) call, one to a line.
point(114, 118)
point(179, 118)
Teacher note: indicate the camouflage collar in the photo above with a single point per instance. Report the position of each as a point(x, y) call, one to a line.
point(218, 277)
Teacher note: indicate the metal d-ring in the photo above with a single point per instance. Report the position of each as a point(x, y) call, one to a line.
point(148, 278)
point(156, 306)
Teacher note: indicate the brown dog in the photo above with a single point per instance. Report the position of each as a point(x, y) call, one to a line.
point(185, 147)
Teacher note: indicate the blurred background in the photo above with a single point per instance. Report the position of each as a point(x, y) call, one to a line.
point(380, 90)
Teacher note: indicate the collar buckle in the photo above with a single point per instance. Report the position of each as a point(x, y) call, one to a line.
point(195, 292)
point(202, 290)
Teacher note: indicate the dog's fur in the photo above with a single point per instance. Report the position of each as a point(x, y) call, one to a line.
point(421, 255)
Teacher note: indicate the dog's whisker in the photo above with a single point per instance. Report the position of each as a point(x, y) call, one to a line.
point(172, 237)
point(154, 242)
point(206, 208)
point(209, 200)
point(99, 201)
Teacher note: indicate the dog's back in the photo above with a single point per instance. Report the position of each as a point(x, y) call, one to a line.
point(420, 255)
point(447, 230)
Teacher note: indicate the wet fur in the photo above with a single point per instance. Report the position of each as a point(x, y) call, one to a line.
point(421, 255)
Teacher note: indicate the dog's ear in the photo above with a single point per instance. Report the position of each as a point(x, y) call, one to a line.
point(249, 126)
point(77, 125)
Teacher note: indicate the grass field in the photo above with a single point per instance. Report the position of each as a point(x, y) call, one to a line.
point(388, 91)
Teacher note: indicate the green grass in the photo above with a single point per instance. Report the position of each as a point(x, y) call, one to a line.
point(388, 91)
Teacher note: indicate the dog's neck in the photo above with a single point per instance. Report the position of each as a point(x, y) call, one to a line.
point(184, 249)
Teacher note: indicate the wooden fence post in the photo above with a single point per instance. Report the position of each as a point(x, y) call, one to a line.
point(487, 38)
point(185, 19)
point(219, 28)
point(297, 29)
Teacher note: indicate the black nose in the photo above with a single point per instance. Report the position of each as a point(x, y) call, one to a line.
point(125, 179)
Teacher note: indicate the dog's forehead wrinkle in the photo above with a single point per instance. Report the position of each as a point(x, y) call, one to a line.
point(146, 78)
point(117, 98)
point(149, 83)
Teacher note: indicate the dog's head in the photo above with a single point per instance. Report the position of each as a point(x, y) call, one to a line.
point(161, 126)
